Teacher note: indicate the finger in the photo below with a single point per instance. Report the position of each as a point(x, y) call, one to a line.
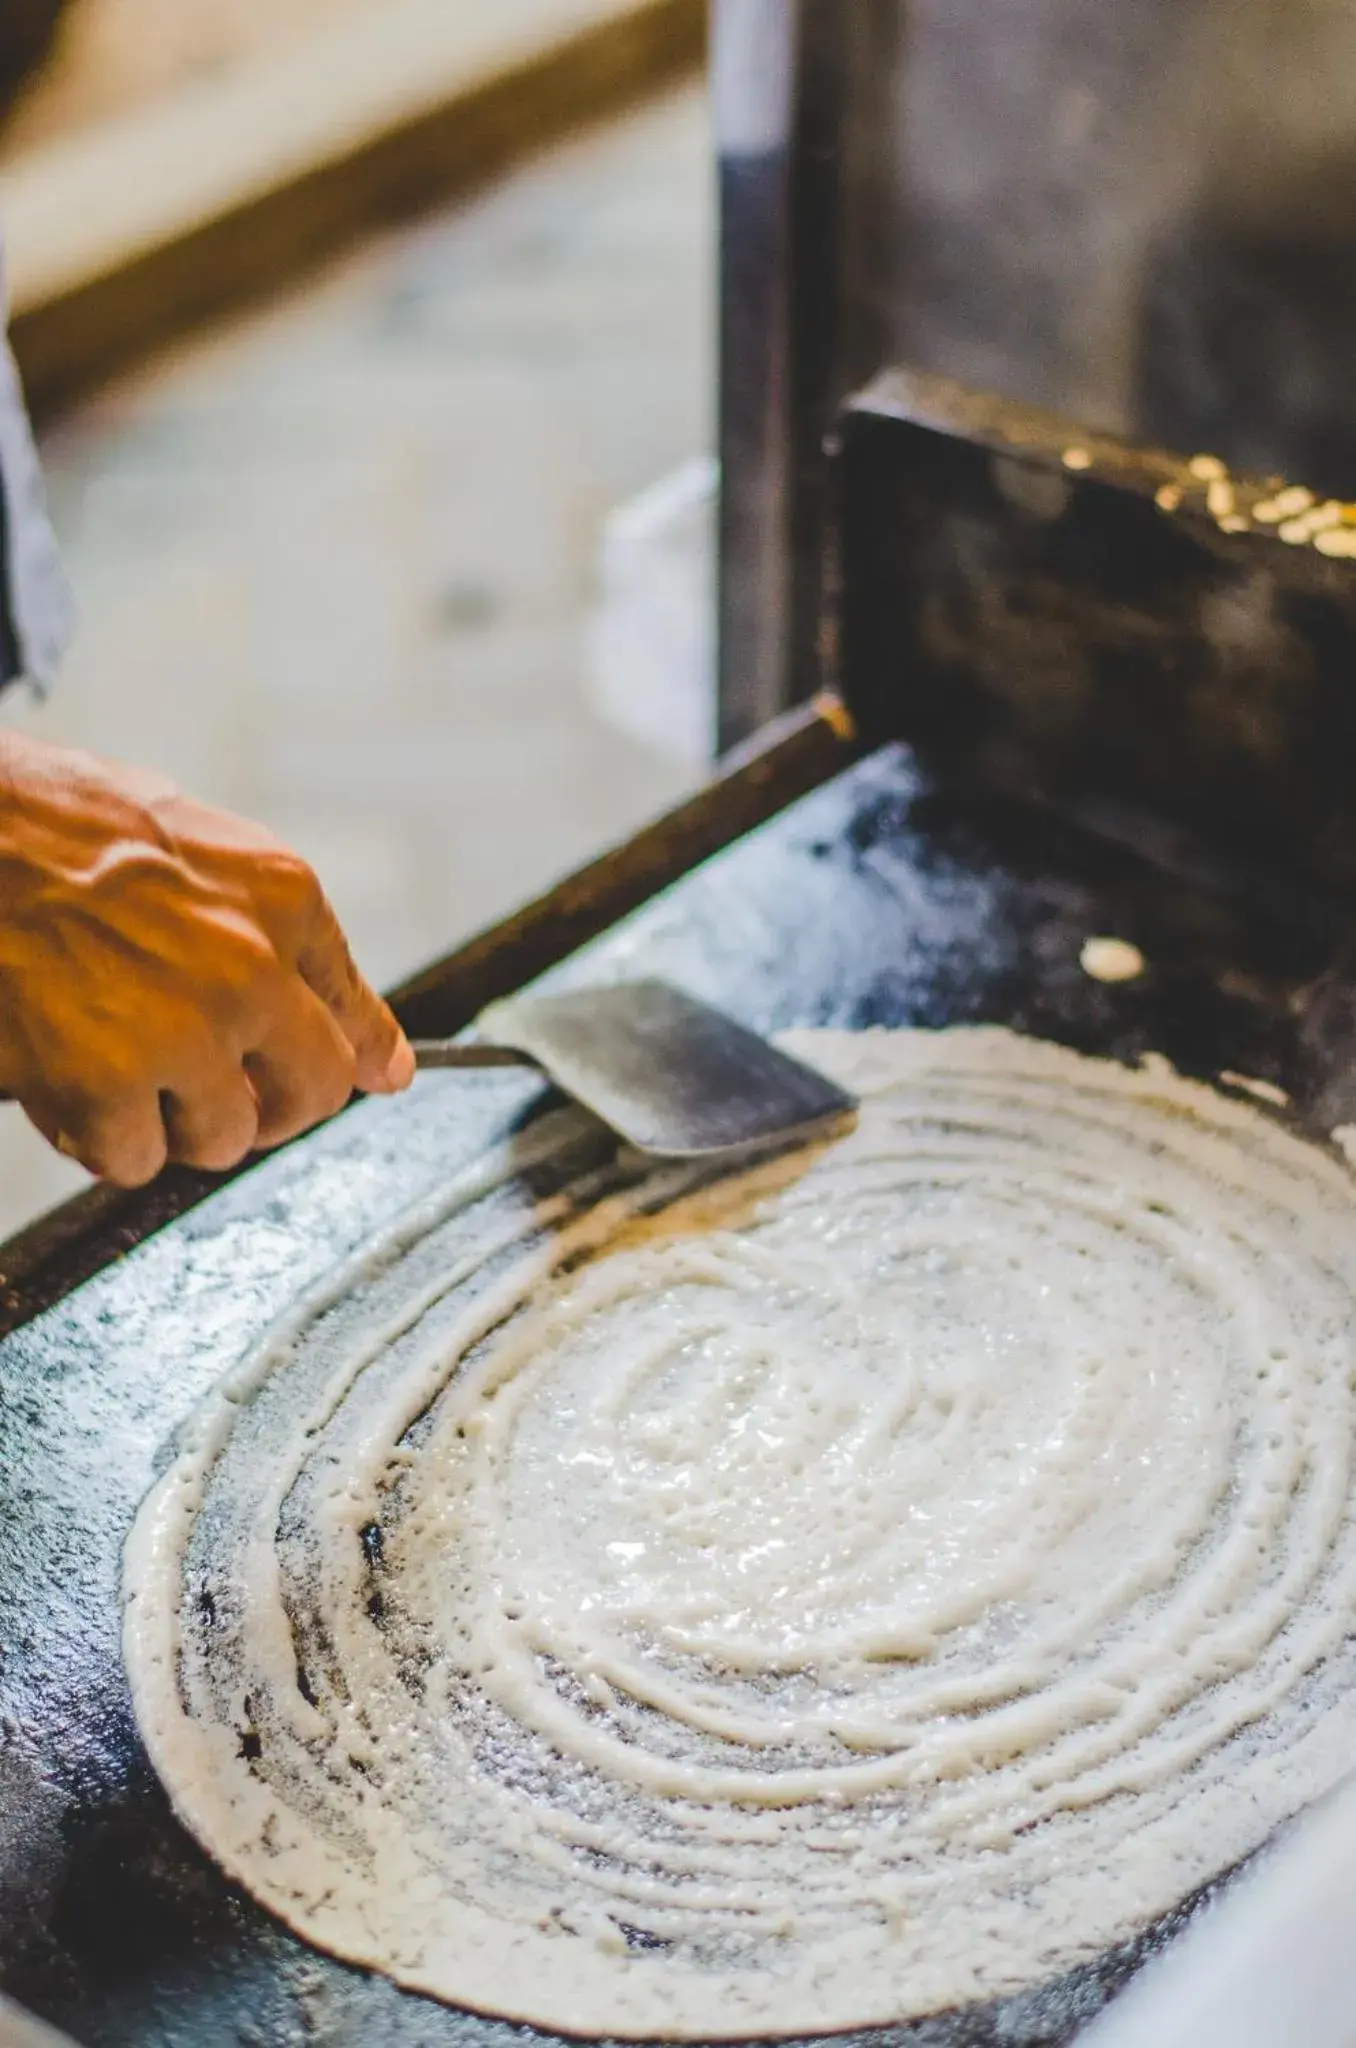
point(119, 1138)
point(213, 1123)
point(303, 1072)
point(44, 1121)
point(383, 1061)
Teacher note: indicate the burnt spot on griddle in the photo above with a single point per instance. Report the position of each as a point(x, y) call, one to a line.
point(371, 1540)
point(640, 1941)
point(882, 821)
point(251, 1746)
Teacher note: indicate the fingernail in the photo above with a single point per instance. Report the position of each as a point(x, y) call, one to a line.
point(400, 1068)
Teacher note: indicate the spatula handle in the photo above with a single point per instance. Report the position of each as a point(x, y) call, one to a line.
point(453, 1052)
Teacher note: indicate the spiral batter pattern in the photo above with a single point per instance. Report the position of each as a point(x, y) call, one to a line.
point(879, 1580)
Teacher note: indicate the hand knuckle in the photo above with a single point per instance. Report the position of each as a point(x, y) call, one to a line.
point(131, 1163)
point(335, 1084)
point(290, 880)
point(214, 1154)
point(136, 1171)
point(116, 1079)
point(241, 988)
point(338, 1097)
point(90, 1105)
point(275, 1129)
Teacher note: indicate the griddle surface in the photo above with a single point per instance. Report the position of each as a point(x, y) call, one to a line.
point(877, 900)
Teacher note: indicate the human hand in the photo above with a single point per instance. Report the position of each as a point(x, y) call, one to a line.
point(173, 983)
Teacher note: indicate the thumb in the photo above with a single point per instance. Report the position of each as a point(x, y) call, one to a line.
point(384, 1061)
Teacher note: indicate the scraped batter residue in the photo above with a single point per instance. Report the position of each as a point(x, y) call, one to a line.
point(878, 1581)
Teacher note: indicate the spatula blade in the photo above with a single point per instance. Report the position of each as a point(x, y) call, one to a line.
point(671, 1075)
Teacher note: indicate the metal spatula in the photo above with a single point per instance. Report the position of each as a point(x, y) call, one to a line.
point(670, 1075)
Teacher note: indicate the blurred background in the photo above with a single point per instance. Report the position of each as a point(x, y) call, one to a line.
point(373, 348)
point(365, 554)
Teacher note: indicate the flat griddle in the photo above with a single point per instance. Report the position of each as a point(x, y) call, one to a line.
point(876, 887)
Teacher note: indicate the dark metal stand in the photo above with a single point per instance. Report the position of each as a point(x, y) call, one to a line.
point(1142, 215)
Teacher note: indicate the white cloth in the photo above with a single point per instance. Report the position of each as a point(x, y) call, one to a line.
point(37, 598)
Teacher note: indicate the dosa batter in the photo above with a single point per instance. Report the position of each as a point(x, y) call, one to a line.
point(875, 1582)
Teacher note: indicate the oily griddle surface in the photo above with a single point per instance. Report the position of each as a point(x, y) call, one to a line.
point(879, 899)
